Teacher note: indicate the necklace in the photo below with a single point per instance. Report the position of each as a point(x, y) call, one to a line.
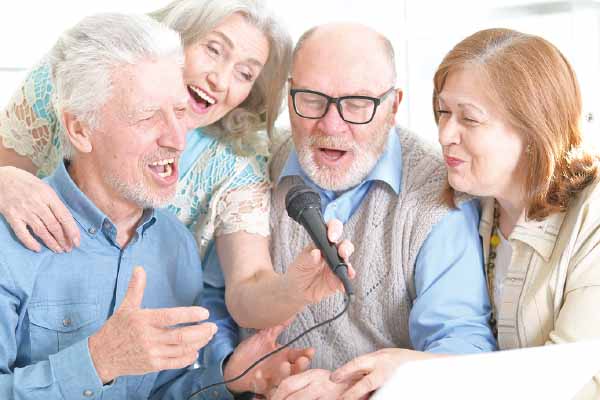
point(491, 263)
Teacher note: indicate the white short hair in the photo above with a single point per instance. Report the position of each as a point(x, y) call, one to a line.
point(85, 57)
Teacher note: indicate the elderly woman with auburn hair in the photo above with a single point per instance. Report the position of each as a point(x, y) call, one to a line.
point(508, 108)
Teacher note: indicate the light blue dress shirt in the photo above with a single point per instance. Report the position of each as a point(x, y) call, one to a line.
point(51, 303)
point(450, 314)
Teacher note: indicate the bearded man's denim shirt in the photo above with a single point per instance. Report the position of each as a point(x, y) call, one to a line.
point(50, 304)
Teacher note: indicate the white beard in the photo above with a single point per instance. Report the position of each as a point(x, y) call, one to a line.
point(364, 161)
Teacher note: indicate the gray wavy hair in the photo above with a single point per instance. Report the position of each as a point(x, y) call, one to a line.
point(85, 57)
point(246, 125)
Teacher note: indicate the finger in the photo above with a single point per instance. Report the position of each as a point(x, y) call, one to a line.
point(292, 385)
point(54, 228)
point(315, 256)
point(196, 335)
point(300, 365)
point(20, 229)
point(294, 354)
point(311, 392)
point(165, 317)
point(135, 291)
point(358, 366)
point(351, 271)
point(285, 371)
point(66, 220)
point(345, 249)
point(366, 385)
point(259, 383)
point(39, 229)
point(335, 228)
point(174, 351)
point(179, 362)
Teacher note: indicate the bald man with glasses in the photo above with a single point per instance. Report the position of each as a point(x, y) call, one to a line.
point(420, 286)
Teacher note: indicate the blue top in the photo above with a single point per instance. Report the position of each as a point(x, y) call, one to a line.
point(451, 311)
point(51, 303)
point(196, 143)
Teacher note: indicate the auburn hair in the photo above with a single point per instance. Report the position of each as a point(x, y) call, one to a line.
point(537, 92)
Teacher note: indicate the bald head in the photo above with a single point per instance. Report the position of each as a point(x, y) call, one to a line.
point(348, 41)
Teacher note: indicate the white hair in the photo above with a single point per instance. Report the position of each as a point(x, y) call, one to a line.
point(86, 56)
point(194, 19)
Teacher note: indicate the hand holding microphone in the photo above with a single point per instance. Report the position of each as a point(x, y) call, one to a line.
point(312, 274)
point(309, 272)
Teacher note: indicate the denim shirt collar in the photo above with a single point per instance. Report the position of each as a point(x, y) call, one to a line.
point(91, 219)
point(388, 168)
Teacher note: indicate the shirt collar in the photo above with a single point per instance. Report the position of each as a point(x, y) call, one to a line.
point(84, 211)
point(388, 168)
point(541, 236)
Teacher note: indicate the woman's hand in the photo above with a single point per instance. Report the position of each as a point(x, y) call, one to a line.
point(269, 373)
point(371, 371)
point(309, 385)
point(309, 277)
point(28, 202)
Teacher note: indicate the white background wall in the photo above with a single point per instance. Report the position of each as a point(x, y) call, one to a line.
point(422, 31)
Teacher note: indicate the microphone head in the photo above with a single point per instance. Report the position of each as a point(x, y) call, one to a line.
point(299, 198)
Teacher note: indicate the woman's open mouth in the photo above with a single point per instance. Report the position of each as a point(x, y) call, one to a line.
point(201, 100)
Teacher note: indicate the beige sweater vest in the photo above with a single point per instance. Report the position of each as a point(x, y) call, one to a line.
point(387, 231)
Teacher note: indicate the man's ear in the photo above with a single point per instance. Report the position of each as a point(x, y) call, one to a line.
point(397, 100)
point(78, 132)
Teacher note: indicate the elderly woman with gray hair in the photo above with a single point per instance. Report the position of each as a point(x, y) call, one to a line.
point(237, 58)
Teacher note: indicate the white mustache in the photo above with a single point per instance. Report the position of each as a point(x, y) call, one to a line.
point(331, 142)
point(162, 154)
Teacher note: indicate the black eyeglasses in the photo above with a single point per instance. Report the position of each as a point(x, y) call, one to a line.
point(352, 109)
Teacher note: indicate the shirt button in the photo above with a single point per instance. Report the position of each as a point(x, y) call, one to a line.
point(88, 393)
point(215, 394)
point(106, 225)
point(66, 322)
point(92, 230)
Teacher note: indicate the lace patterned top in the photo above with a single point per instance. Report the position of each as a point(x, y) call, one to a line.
point(220, 192)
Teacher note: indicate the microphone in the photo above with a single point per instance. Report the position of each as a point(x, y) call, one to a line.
point(303, 205)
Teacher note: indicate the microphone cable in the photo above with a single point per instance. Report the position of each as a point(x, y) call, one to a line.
point(347, 298)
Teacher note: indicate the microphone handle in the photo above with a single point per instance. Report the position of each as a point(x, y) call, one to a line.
point(313, 222)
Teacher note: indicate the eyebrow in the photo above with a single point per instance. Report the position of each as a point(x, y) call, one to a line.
point(231, 45)
point(469, 105)
point(463, 104)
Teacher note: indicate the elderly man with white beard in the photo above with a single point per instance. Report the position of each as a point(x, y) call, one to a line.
point(420, 287)
point(90, 324)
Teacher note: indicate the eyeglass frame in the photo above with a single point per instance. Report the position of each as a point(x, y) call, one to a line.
point(337, 101)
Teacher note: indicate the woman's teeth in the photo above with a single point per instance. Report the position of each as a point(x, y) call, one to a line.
point(203, 95)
